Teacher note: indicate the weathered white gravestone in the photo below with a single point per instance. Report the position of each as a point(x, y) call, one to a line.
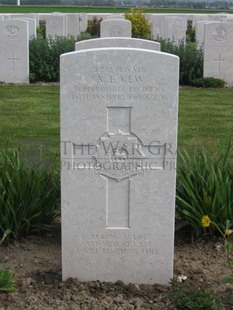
point(72, 25)
point(115, 27)
point(83, 20)
point(118, 131)
point(218, 51)
point(14, 51)
point(199, 33)
point(117, 42)
point(176, 29)
point(55, 25)
point(31, 26)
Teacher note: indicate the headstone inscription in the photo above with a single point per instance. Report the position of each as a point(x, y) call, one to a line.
point(118, 141)
point(14, 52)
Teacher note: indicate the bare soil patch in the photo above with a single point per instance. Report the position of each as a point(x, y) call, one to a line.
point(36, 262)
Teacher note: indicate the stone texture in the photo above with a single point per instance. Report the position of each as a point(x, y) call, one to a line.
point(55, 25)
point(168, 27)
point(176, 29)
point(118, 133)
point(199, 34)
point(117, 42)
point(115, 27)
point(14, 52)
point(72, 25)
point(31, 26)
point(218, 51)
point(83, 18)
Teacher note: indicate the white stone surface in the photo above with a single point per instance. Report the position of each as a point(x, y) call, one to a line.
point(14, 52)
point(176, 29)
point(100, 15)
point(199, 33)
point(115, 27)
point(31, 26)
point(118, 197)
point(218, 51)
point(117, 42)
point(83, 19)
point(55, 25)
point(72, 25)
point(158, 26)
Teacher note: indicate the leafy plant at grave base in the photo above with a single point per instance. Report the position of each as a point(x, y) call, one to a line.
point(207, 222)
point(209, 82)
point(29, 196)
point(196, 299)
point(140, 25)
point(204, 186)
point(7, 281)
point(93, 27)
point(191, 60)
point(44, 57)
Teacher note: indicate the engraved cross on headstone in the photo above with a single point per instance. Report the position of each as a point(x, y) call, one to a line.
point(219, 60)
point(13, 59)
point(120, 156)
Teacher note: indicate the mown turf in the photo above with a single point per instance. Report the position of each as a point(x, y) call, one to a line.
point(205, 117)
point(93, 9)
point(30, 114)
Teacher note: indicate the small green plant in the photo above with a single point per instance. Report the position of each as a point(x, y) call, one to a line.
point(226, 232)
point(7, 281)
point(209, 82)
point(93, 27)
point(140, 25)
point(196, 299)
point(190, 35)
point(29, 196)
point(191, 60)
point(204, 186)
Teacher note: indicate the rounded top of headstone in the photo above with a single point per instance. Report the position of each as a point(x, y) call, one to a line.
point(115, 16)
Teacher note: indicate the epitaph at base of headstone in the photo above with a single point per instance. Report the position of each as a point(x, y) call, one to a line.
point(118, 155)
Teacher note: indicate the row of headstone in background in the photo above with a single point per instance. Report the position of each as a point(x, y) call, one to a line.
point(57, 24)
point(14, 51)
point(171, 28)
point(65, 25)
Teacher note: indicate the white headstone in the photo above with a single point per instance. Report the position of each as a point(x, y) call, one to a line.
point(176, 29)
point(83, 19)
point(117, 42)
point(72, 25)
point(218, 51)
point(55, 25)
point(31, 26)
point(14, 51)
point(26, 15)
point(158, 26)
point(118, 112)
point(115, 27)
point(199, 33)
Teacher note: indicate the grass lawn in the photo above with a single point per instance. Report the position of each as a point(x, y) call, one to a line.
point(30, 114)
point(92, 9)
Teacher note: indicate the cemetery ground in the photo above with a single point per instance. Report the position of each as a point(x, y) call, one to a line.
point(30, 115)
